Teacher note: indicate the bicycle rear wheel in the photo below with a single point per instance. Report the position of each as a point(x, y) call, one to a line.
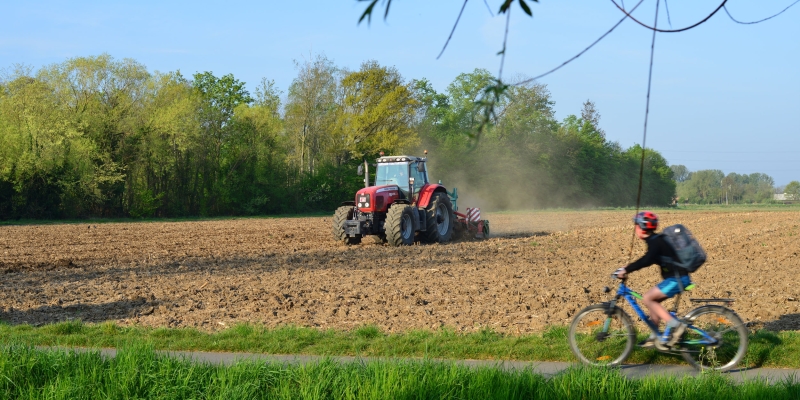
point(598, 337)
point(722, 324)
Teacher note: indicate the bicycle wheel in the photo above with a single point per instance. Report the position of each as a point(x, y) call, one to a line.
point(722, 324)
point(593, 344)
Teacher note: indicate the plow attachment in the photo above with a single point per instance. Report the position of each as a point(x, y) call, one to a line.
point(471, 224)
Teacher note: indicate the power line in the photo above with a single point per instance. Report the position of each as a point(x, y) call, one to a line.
point(505, 40)
point(581, 53)
point(488, 8)
point(761, 20)
point(666, 6)
point(454, 29)
point(646, 114)
point(669, 30)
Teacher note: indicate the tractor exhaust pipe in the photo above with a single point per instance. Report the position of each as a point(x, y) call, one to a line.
point(365, 170)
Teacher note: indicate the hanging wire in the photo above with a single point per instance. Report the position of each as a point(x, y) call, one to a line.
point(644, 136)
point(761, 20)
point(454, 29)
point(488, 8)
point(505, 40)
point(666, 6)
point(670, 30)
point(526, 81)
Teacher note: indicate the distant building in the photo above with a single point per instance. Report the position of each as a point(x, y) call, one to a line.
point(786, 198)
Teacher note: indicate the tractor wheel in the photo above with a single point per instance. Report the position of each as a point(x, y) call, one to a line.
point(439, 219)
point(400, 225)
point(341, 215)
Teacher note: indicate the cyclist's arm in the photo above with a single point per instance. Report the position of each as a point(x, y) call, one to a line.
point(647, 260)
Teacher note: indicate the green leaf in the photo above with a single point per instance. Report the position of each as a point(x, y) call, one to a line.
point(505, 5)
point(368, 12)
point(525, 7)
point(386, 15)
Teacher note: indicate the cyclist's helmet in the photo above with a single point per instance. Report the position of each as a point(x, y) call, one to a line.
point(646, 220)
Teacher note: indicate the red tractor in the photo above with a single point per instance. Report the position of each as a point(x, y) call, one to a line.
point(402, 207)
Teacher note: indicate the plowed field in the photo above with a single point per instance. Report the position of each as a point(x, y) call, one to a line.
point(537, 269)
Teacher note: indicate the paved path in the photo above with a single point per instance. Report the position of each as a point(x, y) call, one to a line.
point(546, 368)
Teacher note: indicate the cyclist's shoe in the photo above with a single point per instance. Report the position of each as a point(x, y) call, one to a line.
point(648, 343)
point(660, 345)
point(676, 334)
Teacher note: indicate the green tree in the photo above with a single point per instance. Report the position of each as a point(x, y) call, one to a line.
point(792, 190)
point(463, 93)
point(377, 113)
point(432, 106)
point(104, 100)
point(311, 111)
point(679, 173)
point(164, 177)
point(255, 164)
point(760, 187)
point(658, 188)
point(78, 119)
point(704, 187)
point(588, 155)
point(219, 99)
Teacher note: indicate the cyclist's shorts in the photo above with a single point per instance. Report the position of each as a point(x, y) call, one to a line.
point(670, 286)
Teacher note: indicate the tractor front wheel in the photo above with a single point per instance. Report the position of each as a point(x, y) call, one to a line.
point(400, 225)
point(439, 219)
point(341, 215)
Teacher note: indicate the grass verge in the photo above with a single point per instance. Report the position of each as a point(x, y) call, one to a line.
point(138, 372)
point(766, 349)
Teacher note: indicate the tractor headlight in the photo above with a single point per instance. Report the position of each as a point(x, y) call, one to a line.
point(363, 200)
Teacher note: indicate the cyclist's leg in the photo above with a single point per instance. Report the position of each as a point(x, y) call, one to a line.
point(652, 300)
point(668, 288)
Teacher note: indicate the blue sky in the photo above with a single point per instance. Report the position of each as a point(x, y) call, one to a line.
point(724, 95)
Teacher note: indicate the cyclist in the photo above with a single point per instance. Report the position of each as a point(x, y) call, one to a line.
point(646, 224)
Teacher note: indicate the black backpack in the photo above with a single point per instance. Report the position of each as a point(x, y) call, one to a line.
point(690, 256)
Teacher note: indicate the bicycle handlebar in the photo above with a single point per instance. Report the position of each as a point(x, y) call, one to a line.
point(614, 276)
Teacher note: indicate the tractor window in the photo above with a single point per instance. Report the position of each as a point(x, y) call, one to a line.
point(392, 174)
point(419, 177)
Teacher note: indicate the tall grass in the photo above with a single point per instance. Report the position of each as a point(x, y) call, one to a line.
point(139, 372)
point(767, 349)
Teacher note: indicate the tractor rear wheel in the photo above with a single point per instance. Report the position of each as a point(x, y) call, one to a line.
point(439, 219)
point(400, 225)
point(341, 215)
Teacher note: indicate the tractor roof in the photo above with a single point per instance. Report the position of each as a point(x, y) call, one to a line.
point(386, 159)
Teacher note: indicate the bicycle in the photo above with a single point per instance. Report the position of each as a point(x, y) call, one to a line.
point(603, 334)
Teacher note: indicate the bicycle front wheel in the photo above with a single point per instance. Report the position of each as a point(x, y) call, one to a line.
point(602, 338)
point(721, 341)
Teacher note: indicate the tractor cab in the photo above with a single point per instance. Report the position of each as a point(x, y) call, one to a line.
point(407, 172)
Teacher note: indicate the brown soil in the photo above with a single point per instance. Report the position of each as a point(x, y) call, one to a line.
point(536, 270)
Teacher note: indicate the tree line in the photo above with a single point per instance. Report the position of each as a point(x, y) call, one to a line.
point(100, 137)
point(713, 186)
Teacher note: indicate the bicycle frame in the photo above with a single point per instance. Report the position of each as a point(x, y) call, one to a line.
point(631, 295)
